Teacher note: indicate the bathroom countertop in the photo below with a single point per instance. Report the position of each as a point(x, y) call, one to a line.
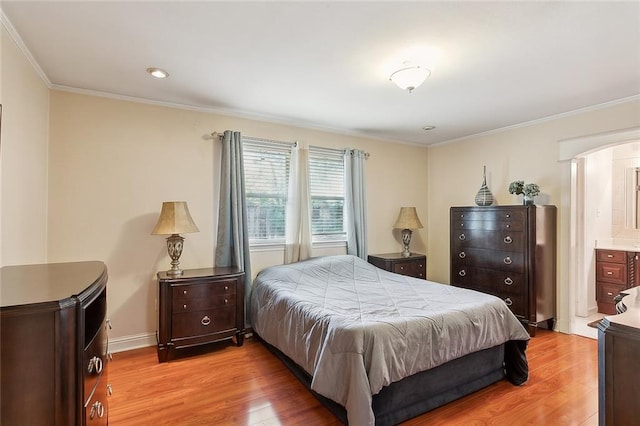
point(619, 244)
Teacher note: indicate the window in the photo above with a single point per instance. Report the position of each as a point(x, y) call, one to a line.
point(266, 168)
point(266, 171)
point(326, 185)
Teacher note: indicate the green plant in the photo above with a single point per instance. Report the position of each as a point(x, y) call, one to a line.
point(519, 187)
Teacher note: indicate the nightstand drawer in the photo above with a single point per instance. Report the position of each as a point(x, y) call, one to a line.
point(199, 291)
point(413, 266)
point(197, 323)
point(199, 304)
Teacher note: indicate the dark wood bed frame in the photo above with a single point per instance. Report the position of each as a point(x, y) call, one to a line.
point(433, 388)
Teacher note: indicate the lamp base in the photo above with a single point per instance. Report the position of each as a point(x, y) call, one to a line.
point(406, 240)
point(174, 246)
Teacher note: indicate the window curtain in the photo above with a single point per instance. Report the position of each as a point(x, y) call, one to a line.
point(355, 205)
point(298, 211)
point(232, 244)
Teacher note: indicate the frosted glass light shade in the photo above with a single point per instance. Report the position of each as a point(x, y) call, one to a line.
point(409, 78)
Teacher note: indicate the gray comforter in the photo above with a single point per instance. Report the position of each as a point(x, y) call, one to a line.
point(355, 328)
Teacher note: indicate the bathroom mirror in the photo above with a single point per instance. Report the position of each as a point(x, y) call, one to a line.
point(632, 200)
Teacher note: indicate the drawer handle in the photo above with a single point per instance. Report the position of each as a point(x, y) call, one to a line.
point(462, 237)
point(462, 225)
point(508, 215)
point(109, 389)
point(184, 306)
point(95, 363)
point(226, 301)
point(462, 255)
point(184, 291)
point(508, 226)
point(610, 256)
point(508, 301)
point(205, 320)
point(609, 273)
point(508, 281)
point(508, 239)
point(609, 293)
point(96, 408)
point(462, 215)
point(226, 287)
point(462, 273)
point(507, 261)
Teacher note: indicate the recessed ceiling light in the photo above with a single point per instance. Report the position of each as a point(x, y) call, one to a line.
point(428, 128)
point(158, 73)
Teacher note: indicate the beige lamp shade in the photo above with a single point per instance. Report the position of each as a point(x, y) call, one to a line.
point(408, 219)
point(174, 219)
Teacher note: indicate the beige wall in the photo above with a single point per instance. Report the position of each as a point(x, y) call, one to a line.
point(528, 153)
point(113, 162)
point(23, 159)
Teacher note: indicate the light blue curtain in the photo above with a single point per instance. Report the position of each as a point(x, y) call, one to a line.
point(232, 244)
point(355, 212)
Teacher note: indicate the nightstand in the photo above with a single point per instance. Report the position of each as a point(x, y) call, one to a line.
point(414, 266)
point(199, 307)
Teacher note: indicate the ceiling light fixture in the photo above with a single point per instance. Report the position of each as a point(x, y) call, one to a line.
point(410, 77)
point(158, 73)
point(427, 128)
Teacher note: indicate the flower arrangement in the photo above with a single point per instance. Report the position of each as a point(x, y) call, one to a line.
point(529, 190)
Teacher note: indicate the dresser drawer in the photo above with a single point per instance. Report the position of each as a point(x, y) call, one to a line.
point(511, 296)
point(489, 259)
point(611, 272)
point(491, 215)
point(94, 361)
point(488, 225)
point(489, 281)
point(197, 323)
point(499, 240)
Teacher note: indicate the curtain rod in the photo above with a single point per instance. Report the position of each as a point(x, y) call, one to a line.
point(220, 135)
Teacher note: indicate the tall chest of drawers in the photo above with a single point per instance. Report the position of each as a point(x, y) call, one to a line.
point(509, 252)
point(201, 306)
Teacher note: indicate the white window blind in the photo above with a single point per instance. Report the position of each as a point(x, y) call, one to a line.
point(266, 169)
point(326, 185)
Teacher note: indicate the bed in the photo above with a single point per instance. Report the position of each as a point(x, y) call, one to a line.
point(378, 347)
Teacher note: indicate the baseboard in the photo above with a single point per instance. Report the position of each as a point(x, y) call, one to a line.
point(136, 341)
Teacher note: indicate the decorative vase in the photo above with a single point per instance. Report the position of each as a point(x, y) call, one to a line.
point(527, 200)
point(484, 197)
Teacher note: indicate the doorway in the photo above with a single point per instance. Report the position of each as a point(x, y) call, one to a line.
point(591, 162)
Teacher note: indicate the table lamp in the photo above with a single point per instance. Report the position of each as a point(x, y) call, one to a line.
point(407, 220)
point(174, 219)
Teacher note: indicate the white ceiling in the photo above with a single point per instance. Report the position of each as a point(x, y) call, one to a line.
point(326, 64)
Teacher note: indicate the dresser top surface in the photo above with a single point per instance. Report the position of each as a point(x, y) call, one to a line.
point(48, 282)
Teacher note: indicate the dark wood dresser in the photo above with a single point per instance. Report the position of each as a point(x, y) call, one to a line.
point(199, 307)
point(413, 266)
point(510, 252)
point(616, 270)
point(618, 354)
point(53, 344)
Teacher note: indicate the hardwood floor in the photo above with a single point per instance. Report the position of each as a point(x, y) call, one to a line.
point(249, 386)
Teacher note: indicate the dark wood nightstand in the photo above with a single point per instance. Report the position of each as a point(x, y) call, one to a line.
point(413, 266)
point(199, 307)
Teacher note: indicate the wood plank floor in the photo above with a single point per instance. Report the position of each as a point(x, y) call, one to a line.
point(249, 386)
